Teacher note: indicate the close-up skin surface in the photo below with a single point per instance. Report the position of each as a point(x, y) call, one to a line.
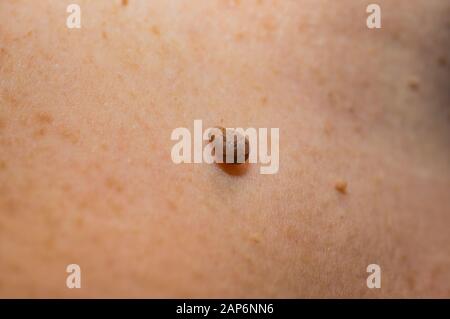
point(87, 178)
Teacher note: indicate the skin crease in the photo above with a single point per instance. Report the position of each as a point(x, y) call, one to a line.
point(86, 175)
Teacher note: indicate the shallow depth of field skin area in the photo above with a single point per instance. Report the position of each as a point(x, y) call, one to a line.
point(86, 175)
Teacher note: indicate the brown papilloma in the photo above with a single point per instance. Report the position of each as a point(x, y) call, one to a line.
point(227, 145)
point(233, 143)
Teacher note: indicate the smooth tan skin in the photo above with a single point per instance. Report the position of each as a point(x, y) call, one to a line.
point(86, 175)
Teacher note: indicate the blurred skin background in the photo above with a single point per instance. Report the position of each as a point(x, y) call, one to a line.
point(86, 175)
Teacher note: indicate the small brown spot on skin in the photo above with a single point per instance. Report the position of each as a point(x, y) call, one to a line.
point(104, 35)
point(155, 30)
point(255, 238)
point(49, 242)
point(69, 136)
point(172, 205)
point(411, 282)
point(104, 147)
point(10, 99)
point(239, 36)
point(264, 100)
point(269, 25)
point(2, 125)
point(11, 207)
point(332, 98)
point(292, 234)
point(2, 165)
point(341, 187)
point(413, 84)
point(67, 188)
point(124, 3)
point(79, 222)
point(328, 128)
point(234, 2)
point(358, 129)
point(84, 204)
point(116, 208)
point(40, 133)
point(16, 268)
point(442, 61)
point(114, 184)
point(351, 109)
point(44, 118)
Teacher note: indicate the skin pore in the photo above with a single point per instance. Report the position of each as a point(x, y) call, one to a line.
point(86, 175)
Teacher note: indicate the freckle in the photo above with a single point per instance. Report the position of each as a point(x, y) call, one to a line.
point(437, 272)
point(133, 94)
point(133, 66)
point(442, 61)
point(411, 282)
point(12, 207)
point(116, 208)
point(172, 205)
point(104, 146)
point(2, 125)
point(257, 87)
point(239, 36)
point(255, 238)
point(332, 98)
point(328, 128)
point(403, 258)
point(69, 135)
point(124, 2)
point(67, 188)
point(155, 30)
point(114, 184)
point(10, 98)
point(291, 233)
point(84, 204)
point(264, 100)
point(79, 222)
point(16, 268)
point(350, 109)
point(49, 242)
point(40, 132)
point(2, 165)
point(104, 35)
point(413, 84)
point(341, 187)
point(269, 25)
point(44, 118)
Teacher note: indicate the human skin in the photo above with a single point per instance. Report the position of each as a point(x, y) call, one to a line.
point(86, 175)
